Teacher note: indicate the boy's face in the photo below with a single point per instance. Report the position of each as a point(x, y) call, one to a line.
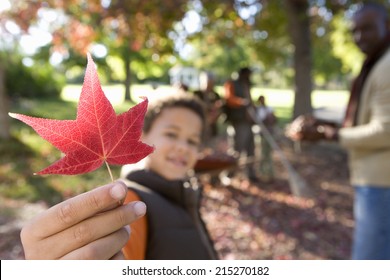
point(176, 135)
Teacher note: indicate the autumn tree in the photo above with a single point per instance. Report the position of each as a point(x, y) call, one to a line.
point(124, 27)
point(135, 25)
point(272, 31)
point(223, 41)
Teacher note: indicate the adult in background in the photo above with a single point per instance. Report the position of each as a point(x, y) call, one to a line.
point(366, 134)
point(238, 100)
point(212, 101)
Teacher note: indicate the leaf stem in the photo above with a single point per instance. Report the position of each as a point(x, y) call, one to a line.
point(109, 171)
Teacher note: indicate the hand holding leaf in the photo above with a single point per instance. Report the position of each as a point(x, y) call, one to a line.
point(97, 135)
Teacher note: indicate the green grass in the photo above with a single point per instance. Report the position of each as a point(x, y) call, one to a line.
point(27, 153)
point(281, 100)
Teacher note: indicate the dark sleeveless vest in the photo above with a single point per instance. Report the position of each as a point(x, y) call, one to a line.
point(175, 229)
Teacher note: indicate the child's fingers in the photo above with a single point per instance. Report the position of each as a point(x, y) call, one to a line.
point(84, 233)
point(74, 210)
point(108, 247)
point(92, 229)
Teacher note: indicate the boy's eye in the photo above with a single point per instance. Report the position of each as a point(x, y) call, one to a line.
point(171, 135)
point(194, 142)
point(174, 135)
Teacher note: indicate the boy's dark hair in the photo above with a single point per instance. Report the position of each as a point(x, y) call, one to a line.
point(177, 100)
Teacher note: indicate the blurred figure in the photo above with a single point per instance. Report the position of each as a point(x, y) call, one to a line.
point(366, 134)
point(238, 99)
point(265, 114)
point(212, 101)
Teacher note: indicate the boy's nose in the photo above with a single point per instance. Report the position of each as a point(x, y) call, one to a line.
point(182, 145)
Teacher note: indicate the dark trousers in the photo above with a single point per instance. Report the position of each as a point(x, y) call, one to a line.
point(244, 143)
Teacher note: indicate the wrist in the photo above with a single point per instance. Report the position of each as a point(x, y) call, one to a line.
point(328, 132)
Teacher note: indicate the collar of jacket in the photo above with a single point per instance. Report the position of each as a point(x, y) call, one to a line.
point(182, 192)
point(358, 84)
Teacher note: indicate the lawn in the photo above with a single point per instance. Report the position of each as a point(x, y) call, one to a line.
point(280, 99)
point(28, 153)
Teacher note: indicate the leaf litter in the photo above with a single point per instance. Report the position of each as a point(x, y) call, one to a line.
point(263, 221)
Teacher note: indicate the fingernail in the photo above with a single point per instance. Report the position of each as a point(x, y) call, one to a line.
point(127, 228)
point(139, 208)
point(118, 191)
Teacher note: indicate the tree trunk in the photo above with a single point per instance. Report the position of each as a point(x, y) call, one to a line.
point(299, 27)
point(4, 118)
point(126, 60)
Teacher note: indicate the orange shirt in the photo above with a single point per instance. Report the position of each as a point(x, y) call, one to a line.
point(135, 249)
point(231, 99)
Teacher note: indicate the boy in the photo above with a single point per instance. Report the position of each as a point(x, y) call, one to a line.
point(173, 228)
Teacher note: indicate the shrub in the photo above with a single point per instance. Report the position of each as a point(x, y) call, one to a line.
point(37, 81)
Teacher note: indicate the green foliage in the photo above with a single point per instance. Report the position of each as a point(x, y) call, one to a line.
point(39, 81)
point(117, 67)
point(16, 177)
point(344, 47)
point(223, 60)
point(326, 65)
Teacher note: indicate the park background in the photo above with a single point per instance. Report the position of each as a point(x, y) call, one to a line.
point(303, 59)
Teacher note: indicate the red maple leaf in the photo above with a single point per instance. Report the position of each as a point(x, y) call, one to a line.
point(97, 135)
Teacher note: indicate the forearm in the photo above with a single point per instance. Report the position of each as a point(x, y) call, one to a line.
point(231, 99)
point(374, 135)
point(374, 132)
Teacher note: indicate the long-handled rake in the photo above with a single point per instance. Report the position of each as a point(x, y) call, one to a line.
point(298, 185)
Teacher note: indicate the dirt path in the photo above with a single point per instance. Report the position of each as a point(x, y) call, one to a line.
point(13, 215)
